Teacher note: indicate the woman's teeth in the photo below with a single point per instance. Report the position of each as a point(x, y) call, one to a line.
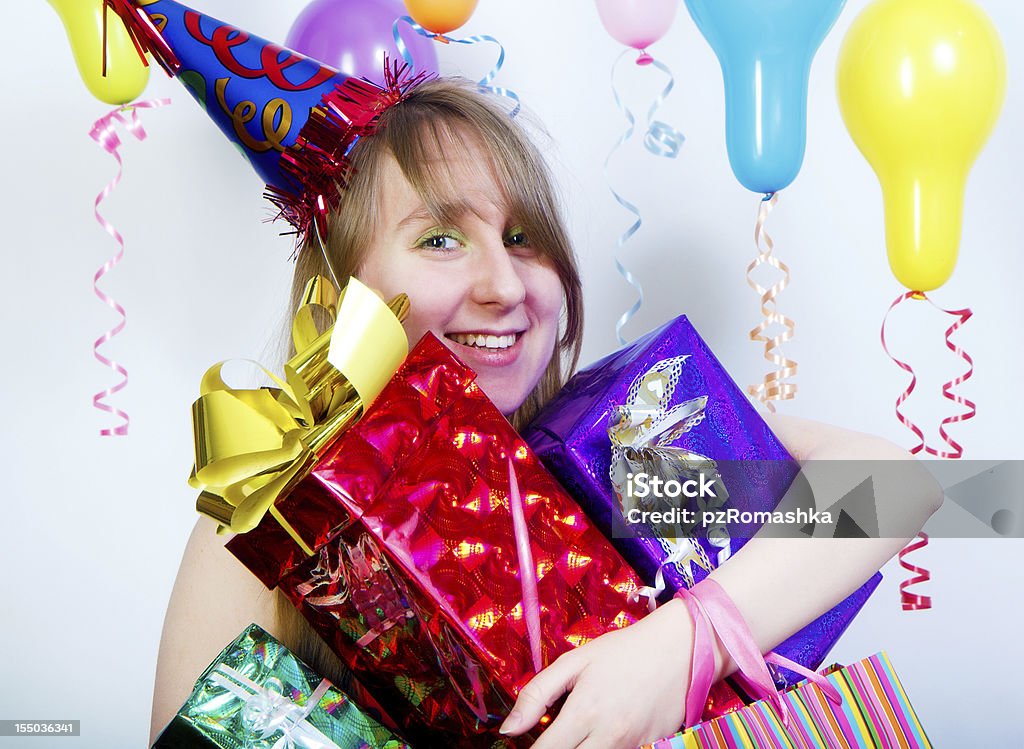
point(483, 341)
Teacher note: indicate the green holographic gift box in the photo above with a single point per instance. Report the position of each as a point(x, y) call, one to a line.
point(257, 695)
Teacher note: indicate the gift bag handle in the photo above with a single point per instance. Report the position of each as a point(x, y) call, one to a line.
point(714, 613)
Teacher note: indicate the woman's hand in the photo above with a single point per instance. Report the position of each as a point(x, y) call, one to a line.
point(627, 687)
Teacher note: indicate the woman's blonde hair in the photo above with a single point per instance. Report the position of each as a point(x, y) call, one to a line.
point(436, 116)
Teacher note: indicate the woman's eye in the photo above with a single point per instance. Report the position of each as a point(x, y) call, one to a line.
point(441, 242)
point(517, 238)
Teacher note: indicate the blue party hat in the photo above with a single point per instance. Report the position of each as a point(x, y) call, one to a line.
point(293, 118)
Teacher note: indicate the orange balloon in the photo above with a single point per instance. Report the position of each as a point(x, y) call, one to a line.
point(440, 16)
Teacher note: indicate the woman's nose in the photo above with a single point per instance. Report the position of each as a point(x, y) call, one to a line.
point(498, 278)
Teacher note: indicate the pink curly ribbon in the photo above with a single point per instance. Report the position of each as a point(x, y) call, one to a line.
point(909, 600)
point(104, 132)
point(774, 386)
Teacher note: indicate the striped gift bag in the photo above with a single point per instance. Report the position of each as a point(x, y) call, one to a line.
point(875, 714)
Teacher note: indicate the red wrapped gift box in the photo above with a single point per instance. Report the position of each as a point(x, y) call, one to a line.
point(415, 578)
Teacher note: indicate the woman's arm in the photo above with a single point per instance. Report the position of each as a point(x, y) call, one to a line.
point(213, 600)
point(628, 687)
point(813, 575)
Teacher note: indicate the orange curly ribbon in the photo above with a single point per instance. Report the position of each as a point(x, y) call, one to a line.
point(774, 387)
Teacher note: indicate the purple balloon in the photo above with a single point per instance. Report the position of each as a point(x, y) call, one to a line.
point(353, 36)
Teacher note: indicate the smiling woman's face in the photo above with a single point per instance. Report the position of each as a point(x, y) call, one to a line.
point(475, 281)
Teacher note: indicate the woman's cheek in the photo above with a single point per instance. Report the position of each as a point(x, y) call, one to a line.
point(547, 294)
point(415, 324)
point(429, 309)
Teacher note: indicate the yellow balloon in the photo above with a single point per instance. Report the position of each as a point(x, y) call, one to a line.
point(126, 74)
point(440, 16)
point(921, 84)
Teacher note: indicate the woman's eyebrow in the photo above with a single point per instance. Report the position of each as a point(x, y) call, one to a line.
point(417, 216)
point(451, 210)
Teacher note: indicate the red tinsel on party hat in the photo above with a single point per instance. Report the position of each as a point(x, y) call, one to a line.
point(144, 33)
point(319, 160)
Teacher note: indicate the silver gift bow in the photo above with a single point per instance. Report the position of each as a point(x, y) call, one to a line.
point(267, 712)
point(641, 433)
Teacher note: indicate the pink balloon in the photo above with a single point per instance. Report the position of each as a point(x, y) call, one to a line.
point(637, 23)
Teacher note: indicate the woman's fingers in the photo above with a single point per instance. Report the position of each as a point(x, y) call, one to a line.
point(585, 723)
point(621, 694)
point(568, 731)
point(540, 694)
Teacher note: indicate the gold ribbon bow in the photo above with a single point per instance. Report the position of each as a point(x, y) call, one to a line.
point(253, 446)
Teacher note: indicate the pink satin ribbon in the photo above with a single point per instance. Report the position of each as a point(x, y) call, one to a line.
point(713, 611)
point(104, 132)
point(527, 568)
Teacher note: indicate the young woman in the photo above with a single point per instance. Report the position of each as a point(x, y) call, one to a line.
point(451, 204)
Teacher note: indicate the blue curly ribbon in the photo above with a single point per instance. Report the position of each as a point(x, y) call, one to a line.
point(485, 82)
point(660, 139)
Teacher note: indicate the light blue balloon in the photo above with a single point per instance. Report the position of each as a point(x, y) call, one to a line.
point(765, 48)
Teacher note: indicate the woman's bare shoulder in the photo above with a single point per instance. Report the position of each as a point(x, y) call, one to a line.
point(213, 600)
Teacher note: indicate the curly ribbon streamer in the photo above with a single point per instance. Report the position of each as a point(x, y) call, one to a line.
point(485, 82)
point(252, 446)
point(912, 601)
point(774, 387)
point(267, 712)
point(359, 566)
point(104, 132)
point(385, 604)
point(956, 450)
point(660, 139)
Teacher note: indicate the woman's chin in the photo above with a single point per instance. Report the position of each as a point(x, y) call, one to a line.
point(503, 398)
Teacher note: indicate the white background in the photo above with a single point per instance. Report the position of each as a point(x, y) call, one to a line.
point(93, 528)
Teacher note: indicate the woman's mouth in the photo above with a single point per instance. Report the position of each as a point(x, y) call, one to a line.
point(486, 349)
point(485, 340)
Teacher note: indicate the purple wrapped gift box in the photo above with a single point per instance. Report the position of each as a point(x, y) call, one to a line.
point(665, 406)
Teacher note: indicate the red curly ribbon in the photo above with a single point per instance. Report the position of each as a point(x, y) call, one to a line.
point(774, 387)
point(956, 450)
point(104, 132)
point(913, 601)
